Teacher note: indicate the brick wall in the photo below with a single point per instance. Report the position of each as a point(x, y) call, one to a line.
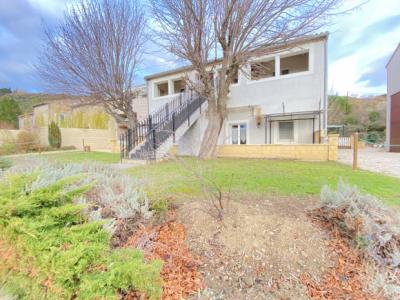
point(311, 152)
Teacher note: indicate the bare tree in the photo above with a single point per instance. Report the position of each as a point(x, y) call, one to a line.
point(94, 53)
point(225, 34)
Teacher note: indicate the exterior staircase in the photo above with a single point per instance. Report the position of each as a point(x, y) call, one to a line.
point(153, 137)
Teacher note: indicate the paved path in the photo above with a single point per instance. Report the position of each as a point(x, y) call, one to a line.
point(376, 160)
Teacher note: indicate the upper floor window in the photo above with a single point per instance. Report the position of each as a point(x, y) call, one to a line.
point(294, 63)
point(161, 89)
point(179, 86)
point(263, 69)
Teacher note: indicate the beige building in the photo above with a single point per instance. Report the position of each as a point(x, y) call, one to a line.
point(68, 112)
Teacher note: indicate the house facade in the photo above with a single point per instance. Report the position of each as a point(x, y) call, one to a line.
point(279, 98)
point(393, 102)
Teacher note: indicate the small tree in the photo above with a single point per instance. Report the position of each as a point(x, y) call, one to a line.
point(54, 135)
point(4, 91)
point(9, 111)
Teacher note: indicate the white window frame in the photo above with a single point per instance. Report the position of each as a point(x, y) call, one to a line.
point(262, 59)
point(229, 130)
point(294, 54)
point(155, 87)
point(173, 85)
point(299, 50)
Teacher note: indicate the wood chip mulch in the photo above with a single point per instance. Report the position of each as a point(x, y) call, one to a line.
point(344, 280)
point(180, 270)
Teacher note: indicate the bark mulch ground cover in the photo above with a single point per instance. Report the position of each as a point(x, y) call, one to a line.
point(345, 280)
point(180, 271)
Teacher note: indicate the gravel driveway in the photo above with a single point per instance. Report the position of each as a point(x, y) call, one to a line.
point(371, 159)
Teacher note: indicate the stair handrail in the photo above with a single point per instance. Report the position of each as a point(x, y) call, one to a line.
point(157, 121)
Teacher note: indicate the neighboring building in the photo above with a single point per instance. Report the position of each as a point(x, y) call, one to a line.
point(67, 112)
point(283, 102)
point(393, 102)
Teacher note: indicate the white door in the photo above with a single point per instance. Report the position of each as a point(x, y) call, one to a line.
point(239, 134)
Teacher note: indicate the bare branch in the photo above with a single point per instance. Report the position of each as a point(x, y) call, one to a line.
point(235, 31)
point(95, 51)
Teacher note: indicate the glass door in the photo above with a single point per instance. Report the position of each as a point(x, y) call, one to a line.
point(239, 134)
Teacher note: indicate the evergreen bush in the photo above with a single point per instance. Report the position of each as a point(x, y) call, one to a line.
point(54, 135)
point(54, 251)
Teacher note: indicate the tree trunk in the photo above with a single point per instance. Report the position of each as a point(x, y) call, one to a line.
point(132, 118)
point(210, 139)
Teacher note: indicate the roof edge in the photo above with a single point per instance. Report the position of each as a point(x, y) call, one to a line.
point(392, 56)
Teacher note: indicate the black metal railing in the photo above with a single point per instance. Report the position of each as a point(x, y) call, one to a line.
point(149, 134)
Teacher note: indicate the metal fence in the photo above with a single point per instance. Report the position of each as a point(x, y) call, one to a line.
point(147, 135)
point(344, 142)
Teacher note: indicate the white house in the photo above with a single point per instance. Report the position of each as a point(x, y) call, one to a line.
point(284, 102)
point(393, 102)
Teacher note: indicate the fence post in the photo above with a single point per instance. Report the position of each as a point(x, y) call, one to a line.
point(166, 111)
point(355, 151)
point(332, 146)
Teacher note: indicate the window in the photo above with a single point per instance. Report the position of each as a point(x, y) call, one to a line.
point(239, 134)
point(179, 86)
point(294, 63)
point(161, 89)
point(263, 69)
point(286, 131)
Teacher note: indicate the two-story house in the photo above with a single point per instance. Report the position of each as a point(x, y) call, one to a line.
point(276, 99)
point(279, 98)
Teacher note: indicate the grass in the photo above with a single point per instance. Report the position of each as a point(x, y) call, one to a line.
point(261, 177)
point(80, 156)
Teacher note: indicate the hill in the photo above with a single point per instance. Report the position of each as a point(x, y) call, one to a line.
point(365, 115)
point(27, 100)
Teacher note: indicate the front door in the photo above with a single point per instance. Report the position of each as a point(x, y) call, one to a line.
point(239, 134)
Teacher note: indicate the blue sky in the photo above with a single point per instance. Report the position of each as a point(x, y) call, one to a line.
point(360, 45)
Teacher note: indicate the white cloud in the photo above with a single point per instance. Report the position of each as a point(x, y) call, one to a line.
point(362, 48)
point(53, 7)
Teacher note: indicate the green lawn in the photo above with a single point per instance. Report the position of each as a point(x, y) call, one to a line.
point(175, 179)
point(80, 156)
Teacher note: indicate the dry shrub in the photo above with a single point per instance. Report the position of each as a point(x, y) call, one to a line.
point(27, 141)
point(373, 228)
point(7, 143)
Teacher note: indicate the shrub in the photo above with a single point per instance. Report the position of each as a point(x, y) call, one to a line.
point(7, 143)
point(27, 141)
point(9, 111)
point(55, 252)
point(54, 135)
point(374, 228)
point(5, 163)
